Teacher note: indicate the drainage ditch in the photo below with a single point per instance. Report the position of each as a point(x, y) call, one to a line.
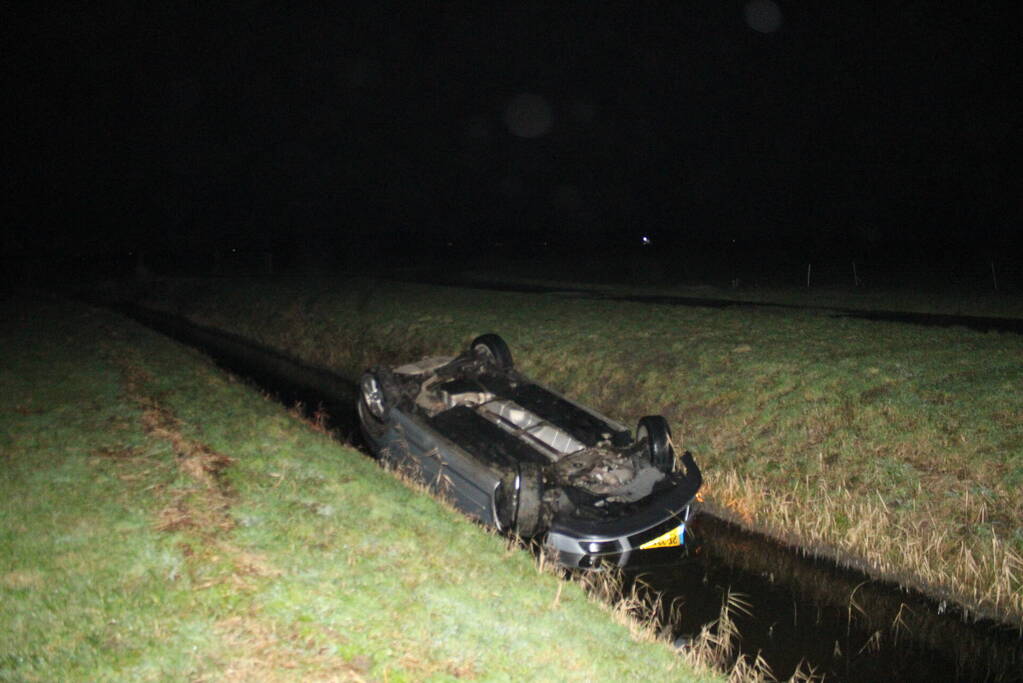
point(796, 609)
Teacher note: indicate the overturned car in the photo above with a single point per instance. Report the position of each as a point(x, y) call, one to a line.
point(519, 456)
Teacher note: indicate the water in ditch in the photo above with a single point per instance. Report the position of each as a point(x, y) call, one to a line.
point(844, 625)
point(791, 609)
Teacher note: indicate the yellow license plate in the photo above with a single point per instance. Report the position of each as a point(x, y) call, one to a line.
point(669, 539)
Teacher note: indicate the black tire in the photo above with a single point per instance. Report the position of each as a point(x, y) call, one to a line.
point(528, 517)
point(654, 428)
point(506, 502)
point(493, 349)
point(373, 408)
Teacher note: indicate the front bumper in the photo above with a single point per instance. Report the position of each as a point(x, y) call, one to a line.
point(580, 542)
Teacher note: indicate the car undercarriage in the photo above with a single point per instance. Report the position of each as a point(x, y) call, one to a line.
point(516, 454)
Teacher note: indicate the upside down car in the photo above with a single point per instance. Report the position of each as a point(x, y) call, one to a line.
point(517, 455)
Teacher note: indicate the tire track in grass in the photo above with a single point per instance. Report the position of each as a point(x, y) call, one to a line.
point(257, 648)
point(204, 508)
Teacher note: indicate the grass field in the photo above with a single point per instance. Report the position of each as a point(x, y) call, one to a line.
point(962, 300)
point(895, 448)
point(161, 521)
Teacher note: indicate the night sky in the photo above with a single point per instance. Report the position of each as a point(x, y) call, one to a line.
point(329, 127)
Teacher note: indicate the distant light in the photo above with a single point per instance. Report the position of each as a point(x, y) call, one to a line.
point(763, 15)
point(528, 116)
point(645, 240)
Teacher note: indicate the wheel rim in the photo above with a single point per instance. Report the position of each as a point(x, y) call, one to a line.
point(484, 352)
point(373, 396)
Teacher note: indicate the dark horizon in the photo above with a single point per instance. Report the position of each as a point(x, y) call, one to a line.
point(802, 126)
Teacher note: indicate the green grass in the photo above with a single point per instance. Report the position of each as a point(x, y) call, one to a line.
point(162, 521)
point(891, 447)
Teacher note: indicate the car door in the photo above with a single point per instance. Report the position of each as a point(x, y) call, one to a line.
point(449, 470)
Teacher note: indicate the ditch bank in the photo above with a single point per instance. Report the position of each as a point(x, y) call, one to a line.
point(787, 607)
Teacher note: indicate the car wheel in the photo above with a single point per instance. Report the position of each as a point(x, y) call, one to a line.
point(506, 502)
point(654, 429)
point(530, 495)
point(493, 349)
point(372, 400)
